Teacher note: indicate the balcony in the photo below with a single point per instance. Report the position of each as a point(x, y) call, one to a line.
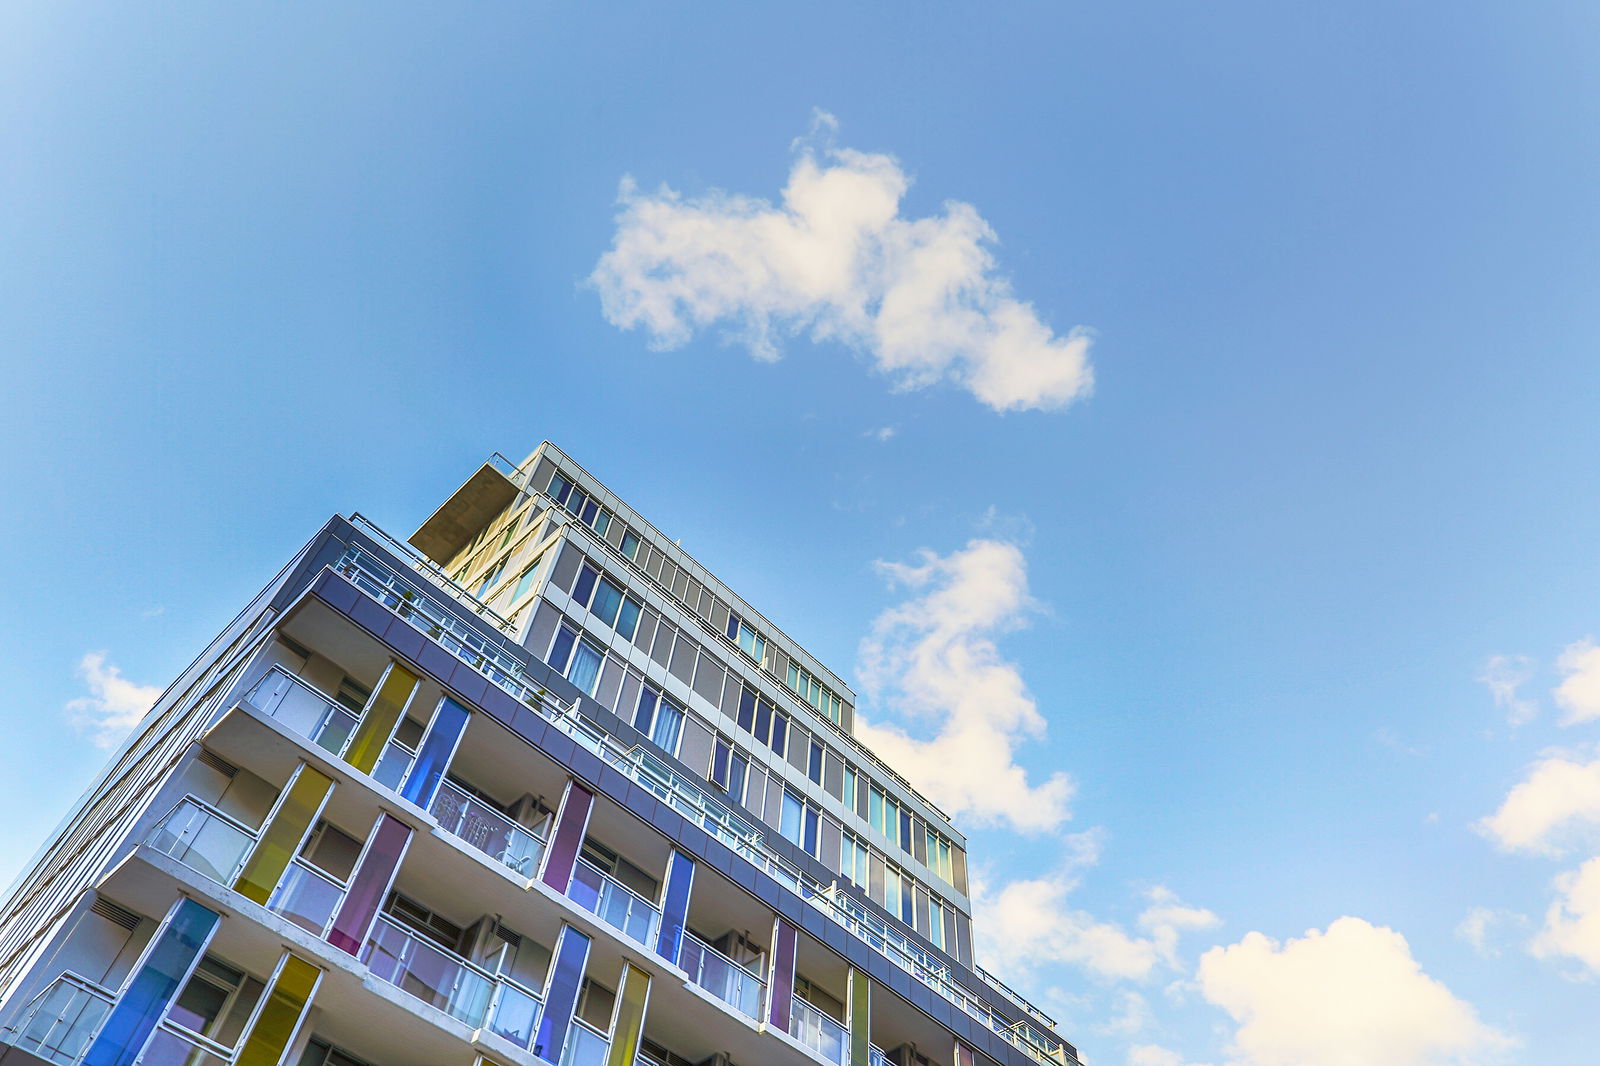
point(203, 839)
point(437, 977)
point(61, 1021)
point(476, 823)
point(722, 977)
point(173, 1045)
point(307, 897)
point(326, 723)
point(819, 1032)
point(613, 903)
point(586, 1045)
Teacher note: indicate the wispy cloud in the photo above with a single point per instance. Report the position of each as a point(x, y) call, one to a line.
point(934, 660)
point(836, 259)
point(1350, 994)
point(883, 434)
point(114, 704)
point(1504, 675)
point(1572, 924)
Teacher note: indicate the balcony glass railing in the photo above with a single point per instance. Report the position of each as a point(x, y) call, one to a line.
point(281, 695)
point(586, 1045)
point(480, 825)
point(437, 977)
point(613, 902)
point(307, 897)
point(818, 1032)
point(721, 976)
point(173, 1045)
point(61, 1021)
point(203, 839)
point(515, 1012)
point(393, 765)
point(875, 1056)
point(405, 597)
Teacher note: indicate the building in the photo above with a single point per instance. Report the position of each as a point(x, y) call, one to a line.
point(535, 789)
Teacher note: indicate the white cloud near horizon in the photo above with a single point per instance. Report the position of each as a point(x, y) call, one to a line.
point(836, 259)
point(114, 704)
point(1558, 796)
point(933, 659)
point(1579, 692)
point(1504, 675)
point(1352, 995)
point(1572, 924)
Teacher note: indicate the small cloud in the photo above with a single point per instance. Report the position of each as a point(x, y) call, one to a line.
point(882, 434)
point(835, 258)
point(1480, 924)
point(114, 704)
point(1572, 924)
point(1579, 692)
point(153, 612)
point(1388, 738)
point(1560, 795)
point(1504, 674)
point(1167, 917)
point(1132, 1018)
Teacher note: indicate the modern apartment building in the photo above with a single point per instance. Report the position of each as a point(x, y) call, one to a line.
point(534, 789)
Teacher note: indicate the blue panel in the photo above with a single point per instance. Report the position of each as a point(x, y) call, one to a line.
point(433, 757)
point(675, 906)
point(154, 986)
point(561, 994)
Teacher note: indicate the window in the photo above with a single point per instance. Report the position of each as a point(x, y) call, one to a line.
point(850, 786)
point(576, 658)
point(511, 530)
point(936, 924)
point(853, 861)
point(583, 588)
point(630, 546)
point(813, 824)
point(658, 719)
point(602, 522)
point(940, 859)
point(780, 733)
point(729, 769)
point(525, 582)
point(792, 818)
point(763, 721)
point(883, 813)
point(814, 764)
point(750, 642)
point(897, 895)
point(560, 487)
point(606, 601)
point(816, 693)
point(904, 839)
point(490, 579)
point(628, 619)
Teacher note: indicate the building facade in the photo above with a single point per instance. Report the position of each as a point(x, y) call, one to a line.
point(534, 789)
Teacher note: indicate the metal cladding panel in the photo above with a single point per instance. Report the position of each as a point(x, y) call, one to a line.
point(785, 944)
point(675, 906)
point(543, 630)
point(561, 994)
point(434, 754)
point(694, 747)
point(283, 1008)
point(627, 1021)
point(683, 656)
point(566, 567)
point(859, 1018)
point(708, 675)
point(567, 839)
point(369, 884)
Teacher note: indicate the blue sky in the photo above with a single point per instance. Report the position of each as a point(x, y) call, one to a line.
point(258, 265)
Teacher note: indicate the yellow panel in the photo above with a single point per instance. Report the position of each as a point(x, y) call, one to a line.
point(629, 1022)
point(285, 1005)
point(381, 716)
point(283, 834)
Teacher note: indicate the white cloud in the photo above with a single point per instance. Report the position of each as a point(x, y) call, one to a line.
point(1572, 924)
point(1030, 923)
point(114, 704)
point(1153, 1055)
point(934, 659)
point(1504, 674)
point(836, 259)
point(1350, 996)
point(1478, 928)
point(1558, 795)
point(1579, 692)
point(1133, 1016)
point(882, 434)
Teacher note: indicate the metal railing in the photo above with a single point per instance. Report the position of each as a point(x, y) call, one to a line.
point(173, 1045)
point(613, 902)
point(281, 695)
point(722, 977)
point(875, 1056)
point(437, 977)
point(586, 1045)
point(434, 573)
point(307, 897)
point(818, 1032)
point(60, 1022)
point(393, 765)
point(474, 822)
point(203, 839)
point(378, 581)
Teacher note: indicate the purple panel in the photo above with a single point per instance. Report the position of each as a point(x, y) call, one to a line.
point(573, 821)
point(785, 942)
point(368, 884)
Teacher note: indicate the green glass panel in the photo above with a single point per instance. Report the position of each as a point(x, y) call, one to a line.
point(629, 1022)
point(281, 1013)
point(860, 1013)
point(282, 837)
point(381, 716)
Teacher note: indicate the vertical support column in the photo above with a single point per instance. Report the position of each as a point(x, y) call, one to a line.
point(378, 720)
point(283, 1008)
point(438, 747)
point(780, 982)
point(561, 994)
point(168, 961)
point(964, 1055)
point(374, 874)
point(566, 840)
point(627, 1019)
point(675, 906)
point(296, 812)
point(859, 1017)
